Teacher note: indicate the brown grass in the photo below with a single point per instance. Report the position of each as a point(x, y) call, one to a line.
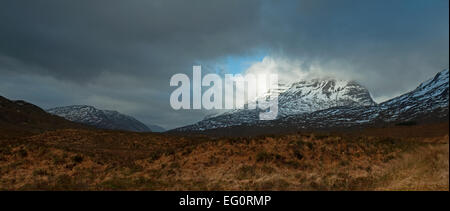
point(109, 160)
point(426, 168)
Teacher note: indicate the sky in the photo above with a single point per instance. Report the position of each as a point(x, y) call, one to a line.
point(120, 55)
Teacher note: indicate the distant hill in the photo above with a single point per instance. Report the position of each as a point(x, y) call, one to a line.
point(103, 119)
point(23, 118)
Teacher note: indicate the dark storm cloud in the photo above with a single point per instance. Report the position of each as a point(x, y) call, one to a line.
point(392, 44)
point(79, 39)
point(121, 54)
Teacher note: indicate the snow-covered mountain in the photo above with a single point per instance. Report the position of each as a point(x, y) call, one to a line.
point(314, 95)
point(104, 119)
point(428, 102)
point(296, 98)
point(427, 97)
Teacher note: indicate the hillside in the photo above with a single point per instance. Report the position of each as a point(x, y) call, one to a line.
point(102, 119)
point(18, 118)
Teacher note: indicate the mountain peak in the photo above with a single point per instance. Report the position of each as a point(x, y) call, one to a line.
point(318, 94)
point(439, 79)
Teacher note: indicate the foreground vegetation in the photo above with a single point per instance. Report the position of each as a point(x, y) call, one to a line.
point(78, 159)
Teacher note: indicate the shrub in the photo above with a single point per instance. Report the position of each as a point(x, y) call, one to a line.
point(154, 156)
point(264, 157)
point(298, 154)
point(22, 153)
point(301, 144)
point(77, 159)
point(6, 150)
point(57, 160)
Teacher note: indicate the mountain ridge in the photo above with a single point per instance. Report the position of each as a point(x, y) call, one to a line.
point(430, 97)
point(103, 119)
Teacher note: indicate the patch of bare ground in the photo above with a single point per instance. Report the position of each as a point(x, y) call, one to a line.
point(75, 159)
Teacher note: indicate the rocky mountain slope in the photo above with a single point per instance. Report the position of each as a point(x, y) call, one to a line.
point(104, 119)
point(314, 95)
point(429, 101)
point(296, 98)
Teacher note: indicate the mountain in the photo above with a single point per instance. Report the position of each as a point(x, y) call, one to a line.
point(296, 98)
point(23, 118)
point(103, 119)
point(428, 102)
point(430, 96)
point(316, 94)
